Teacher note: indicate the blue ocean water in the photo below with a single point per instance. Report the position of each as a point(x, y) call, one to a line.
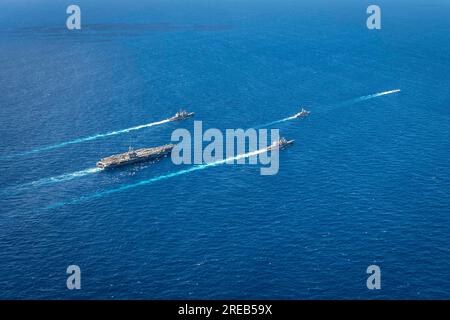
point(367, 181)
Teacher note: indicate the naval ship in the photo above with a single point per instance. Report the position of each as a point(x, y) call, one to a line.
point(133, 156)
point(302, 114)
point(181, 115)
point(280, 144)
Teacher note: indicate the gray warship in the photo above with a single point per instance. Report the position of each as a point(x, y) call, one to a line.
point(134, 156)
point(280, 144)
point(302, 114)
point(181, 115)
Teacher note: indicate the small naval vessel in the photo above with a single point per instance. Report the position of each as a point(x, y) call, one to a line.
point(181, 115)
point(280, 144)
point(133, 156)
point(302, 114)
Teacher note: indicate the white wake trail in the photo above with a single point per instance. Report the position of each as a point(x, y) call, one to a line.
point(375, 95)
point(158, 178)
point(93, 137)
point(60, 178)
point(52, 180)
point(349, 102)
point(66, 176)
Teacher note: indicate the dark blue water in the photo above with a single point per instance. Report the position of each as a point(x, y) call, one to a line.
point(367, 181)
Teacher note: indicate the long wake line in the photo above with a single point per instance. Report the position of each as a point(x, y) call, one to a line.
point(117, 132)
point(155, 179)
point(360, 99)
point(64, 177)
point(192, 169)
point(371, 96)
point(90, 138)
point(94, 170)
point(51, 180)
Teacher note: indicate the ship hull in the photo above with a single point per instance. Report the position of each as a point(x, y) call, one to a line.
point(175, 118)
point(272, 147)
point(132, 157)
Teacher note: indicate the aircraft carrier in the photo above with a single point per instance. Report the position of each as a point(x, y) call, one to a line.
point(134, 156)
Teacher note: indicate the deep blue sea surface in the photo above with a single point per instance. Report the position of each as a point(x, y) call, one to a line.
point(367, 181)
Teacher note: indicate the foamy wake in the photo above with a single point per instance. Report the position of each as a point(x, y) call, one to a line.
point(89, 171)
point(94, 137)
point(58, 179)
point(375, 95)
point(156, 179)
point(66, 177)
point(51, 180)
point(94, 170)
point(363, 98)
